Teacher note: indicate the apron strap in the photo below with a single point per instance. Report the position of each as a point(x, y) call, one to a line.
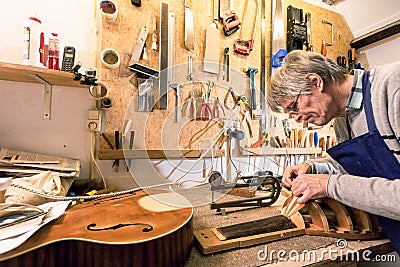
point(348, 127)
point(366, 89)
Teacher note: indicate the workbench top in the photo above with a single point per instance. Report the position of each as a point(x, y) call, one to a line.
point(204, 217)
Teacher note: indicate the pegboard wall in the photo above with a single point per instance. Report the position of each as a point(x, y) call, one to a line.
point(158, 129)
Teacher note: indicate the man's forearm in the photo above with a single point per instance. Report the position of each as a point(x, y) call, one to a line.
point(375, 195)
point(325, 165)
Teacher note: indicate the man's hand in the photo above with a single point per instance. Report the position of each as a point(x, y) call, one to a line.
point(294, 171)
point(309, 186)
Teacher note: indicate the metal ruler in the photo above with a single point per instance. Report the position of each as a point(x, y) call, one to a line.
point(138, 49)
point(171, 45)
point(163, 78)
point(262, 71)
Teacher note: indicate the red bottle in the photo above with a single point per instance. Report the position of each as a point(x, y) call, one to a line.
point(54, 52)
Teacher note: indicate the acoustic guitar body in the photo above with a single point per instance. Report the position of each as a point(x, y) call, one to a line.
point(126, 230)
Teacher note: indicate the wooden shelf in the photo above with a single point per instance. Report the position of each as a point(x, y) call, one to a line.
point(23, 73)
point(273, 151)
point(109, 154)
point(377, 35)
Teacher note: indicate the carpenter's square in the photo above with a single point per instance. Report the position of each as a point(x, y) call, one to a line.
point(140, 42)
point(163, 81)
point(177, 88)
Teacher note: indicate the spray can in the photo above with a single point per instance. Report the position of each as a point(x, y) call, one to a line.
point(32, 34)
point(54, 52)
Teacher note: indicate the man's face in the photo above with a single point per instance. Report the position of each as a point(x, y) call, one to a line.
point(313, 108)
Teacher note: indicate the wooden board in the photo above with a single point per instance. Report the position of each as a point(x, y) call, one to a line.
point(210, 242)
point(151, 128)
point(108, 154)
point(266, 225)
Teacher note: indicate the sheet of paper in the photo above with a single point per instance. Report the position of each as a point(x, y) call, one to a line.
point(5, 182)
point(54, 210)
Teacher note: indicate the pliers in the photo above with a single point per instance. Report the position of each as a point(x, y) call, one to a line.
point(242, 101)
point(190, 106)
point(218, 109)
point(246, 118)
point(206, 111)
point(233, 95)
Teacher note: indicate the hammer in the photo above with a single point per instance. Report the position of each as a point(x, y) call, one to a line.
point(252, 71)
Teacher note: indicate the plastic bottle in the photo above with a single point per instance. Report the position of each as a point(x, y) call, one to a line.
point(32, 32)
point(54, 52)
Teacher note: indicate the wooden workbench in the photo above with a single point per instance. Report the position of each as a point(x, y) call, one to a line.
point(204, 217)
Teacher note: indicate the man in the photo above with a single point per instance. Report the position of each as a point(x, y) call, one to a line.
point(363, 170)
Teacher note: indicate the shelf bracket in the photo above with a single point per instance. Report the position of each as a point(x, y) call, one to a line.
point(48, 88)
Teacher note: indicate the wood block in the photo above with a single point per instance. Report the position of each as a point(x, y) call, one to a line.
point(242, 192)
point(209, 240)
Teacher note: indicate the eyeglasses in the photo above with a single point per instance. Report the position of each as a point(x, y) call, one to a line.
point(294, 108)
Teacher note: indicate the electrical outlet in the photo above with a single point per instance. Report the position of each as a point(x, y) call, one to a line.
point(94, 120)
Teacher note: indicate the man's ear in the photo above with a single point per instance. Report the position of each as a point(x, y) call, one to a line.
point(316, 81)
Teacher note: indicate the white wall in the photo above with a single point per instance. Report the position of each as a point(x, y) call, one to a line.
point(364, 16)
point(73, 20)
point(21, 104)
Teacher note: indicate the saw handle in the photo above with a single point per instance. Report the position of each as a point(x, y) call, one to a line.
point(278, 57)
point(242, 47)
point(323, 48)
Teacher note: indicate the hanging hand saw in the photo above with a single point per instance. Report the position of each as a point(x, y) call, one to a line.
point(244, 47)
point(278, 51)
point(189, 28)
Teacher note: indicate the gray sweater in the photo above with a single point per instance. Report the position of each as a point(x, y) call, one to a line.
point(376, 195)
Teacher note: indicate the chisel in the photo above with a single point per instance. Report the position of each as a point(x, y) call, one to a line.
point(129, 160)
point(116, 139)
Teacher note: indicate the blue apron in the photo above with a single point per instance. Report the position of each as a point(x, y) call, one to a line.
point(368, 155)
